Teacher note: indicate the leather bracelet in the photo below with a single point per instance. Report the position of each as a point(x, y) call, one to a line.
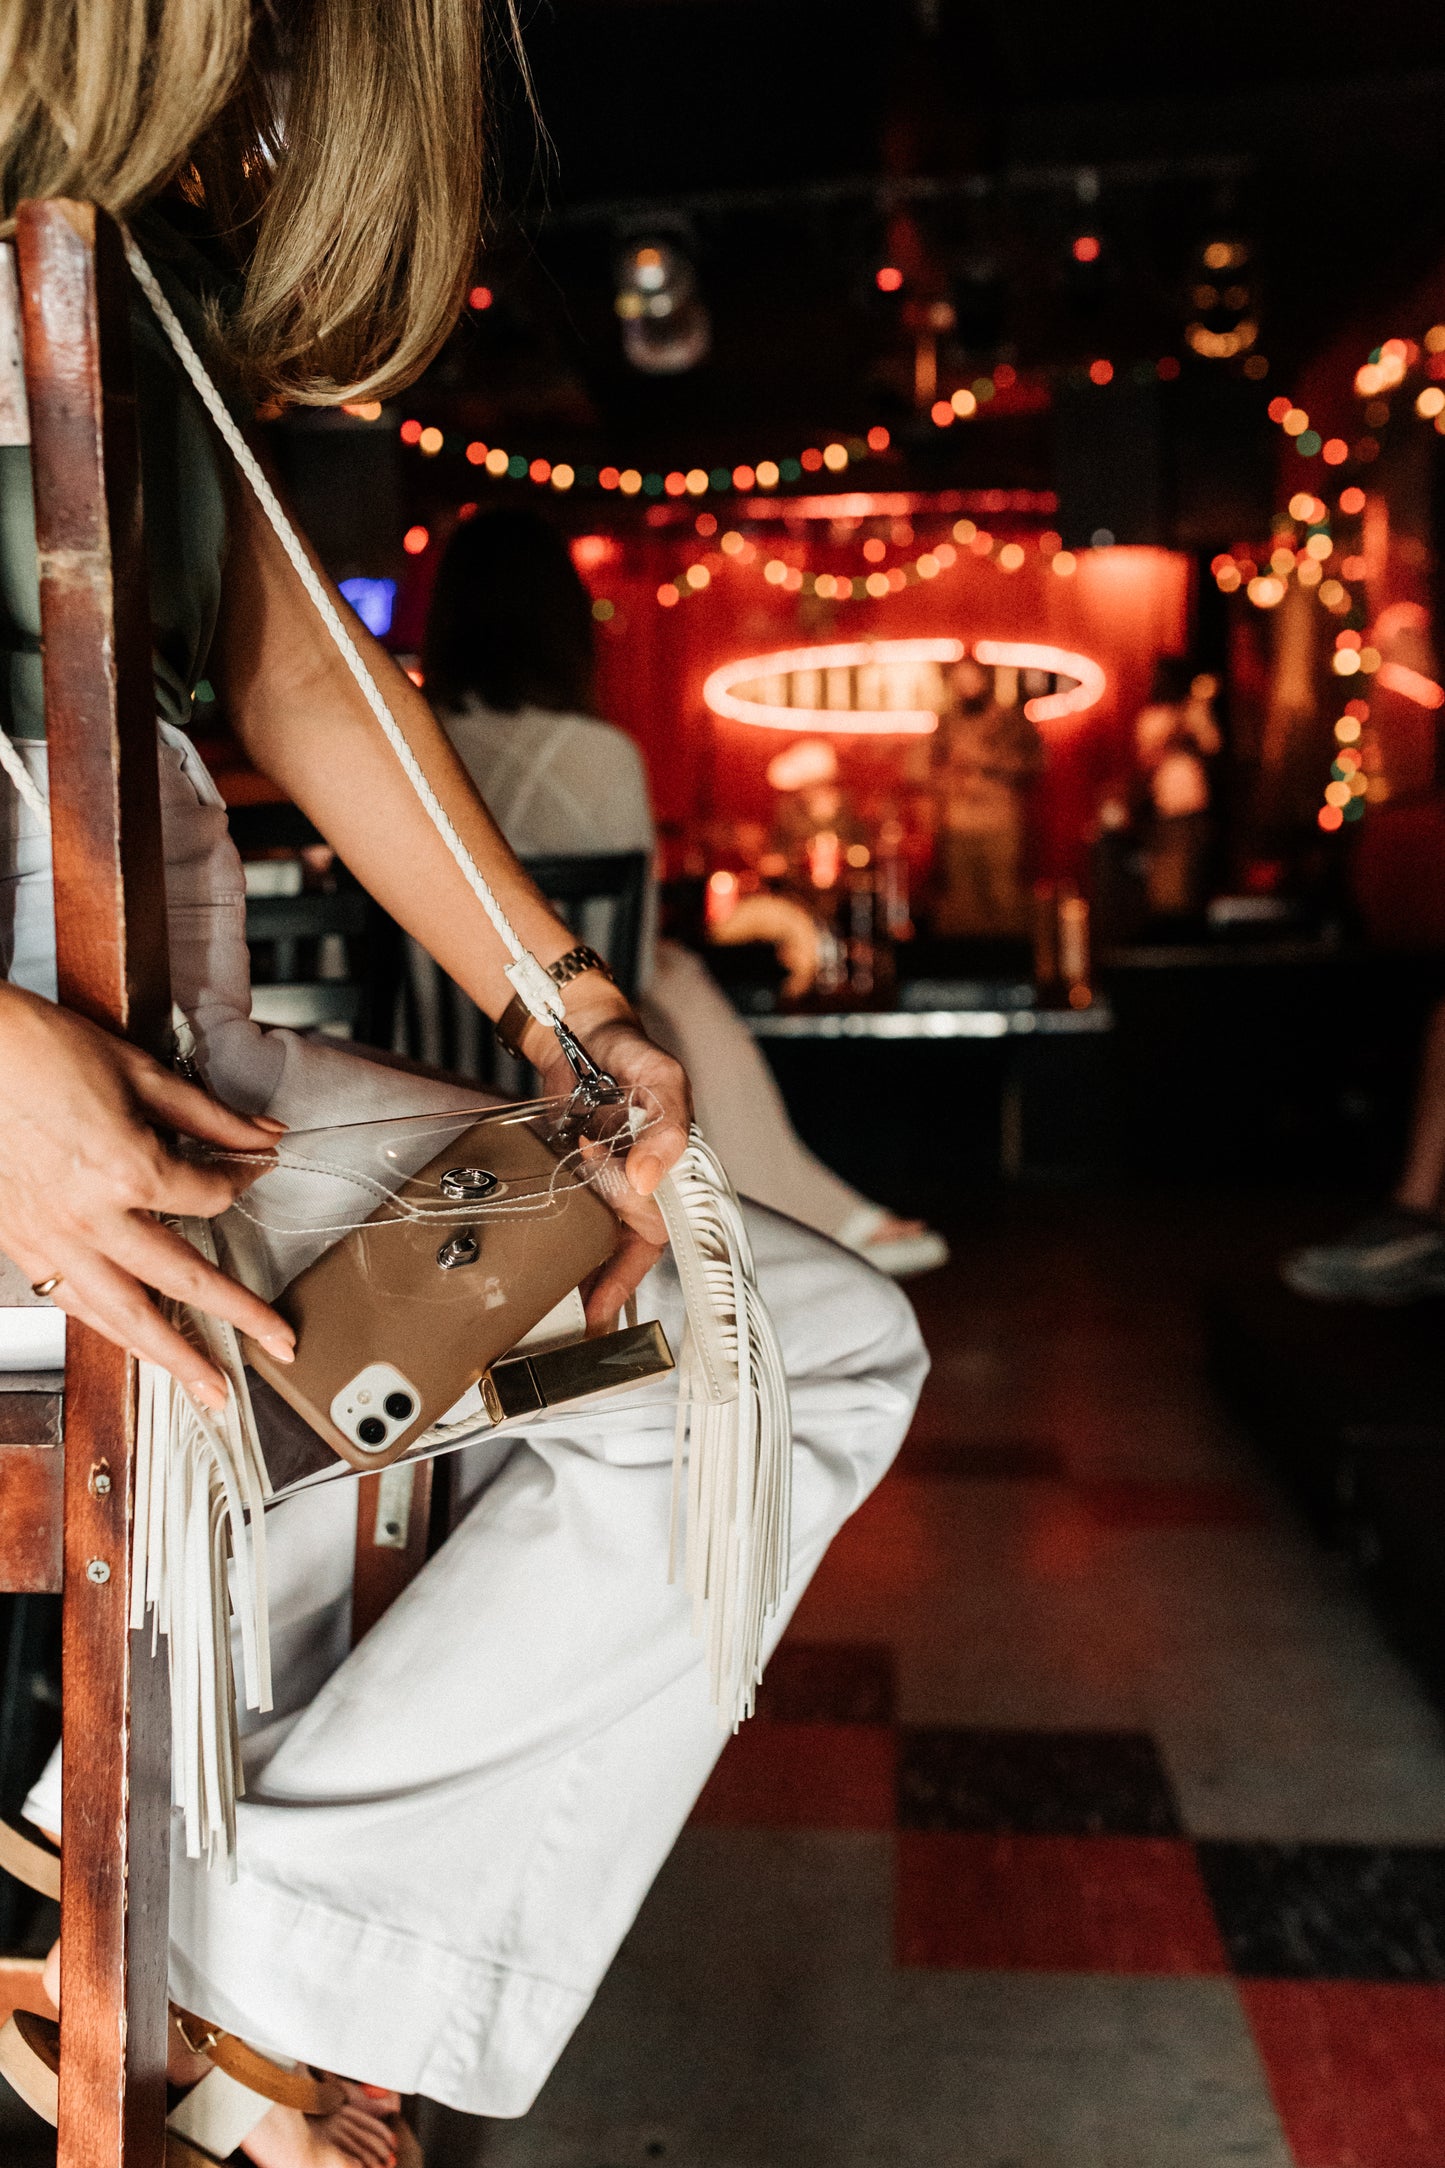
point(516, 1016)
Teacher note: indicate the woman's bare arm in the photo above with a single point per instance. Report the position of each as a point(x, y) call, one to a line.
point(302, 720)
point(304, 723)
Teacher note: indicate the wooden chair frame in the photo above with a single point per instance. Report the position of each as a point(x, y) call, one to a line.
point(73, 399)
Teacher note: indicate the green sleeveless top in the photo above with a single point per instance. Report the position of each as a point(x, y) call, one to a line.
point(183, 480)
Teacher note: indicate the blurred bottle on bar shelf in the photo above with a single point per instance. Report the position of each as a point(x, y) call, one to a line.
point(892, 878)
point(1062, 952)
point(872, 963)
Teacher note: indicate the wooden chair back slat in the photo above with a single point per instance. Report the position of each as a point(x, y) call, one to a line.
point(112, 967)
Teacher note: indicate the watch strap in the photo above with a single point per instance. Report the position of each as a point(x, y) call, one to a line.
point(514, 1019)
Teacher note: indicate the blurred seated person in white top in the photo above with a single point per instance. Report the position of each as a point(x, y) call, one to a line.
point(508, 667)
point(1176, 737)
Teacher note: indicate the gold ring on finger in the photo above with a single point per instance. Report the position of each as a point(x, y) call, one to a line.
point(47, 1286)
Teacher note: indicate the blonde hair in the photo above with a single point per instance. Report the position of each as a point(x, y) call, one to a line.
point(335, 145)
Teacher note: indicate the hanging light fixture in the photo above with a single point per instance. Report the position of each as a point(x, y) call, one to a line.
point(665, 327)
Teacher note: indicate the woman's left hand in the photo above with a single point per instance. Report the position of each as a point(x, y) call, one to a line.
point(609, 1029)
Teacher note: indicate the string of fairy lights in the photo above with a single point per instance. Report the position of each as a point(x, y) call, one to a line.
point(833, 457)
point(877, 581)
point(828, 458)
point(1306, 549)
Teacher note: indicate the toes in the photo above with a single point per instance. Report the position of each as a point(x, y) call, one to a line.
point(362, 2137)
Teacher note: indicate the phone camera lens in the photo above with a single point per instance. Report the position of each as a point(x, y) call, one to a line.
point(371, 1430)
point(399, 1406)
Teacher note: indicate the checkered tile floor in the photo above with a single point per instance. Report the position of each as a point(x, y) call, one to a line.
point(1087, 1822)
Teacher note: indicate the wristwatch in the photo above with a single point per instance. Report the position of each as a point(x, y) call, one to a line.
point(516, 1016)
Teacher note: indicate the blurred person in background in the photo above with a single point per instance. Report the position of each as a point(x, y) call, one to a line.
point(508, 665)
point(986, 752)
point(1176, 737)
point(1397, 1255)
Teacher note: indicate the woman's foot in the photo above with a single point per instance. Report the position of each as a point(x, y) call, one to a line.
point(360, 2134)
point(899, 1247)
point(353, 2137)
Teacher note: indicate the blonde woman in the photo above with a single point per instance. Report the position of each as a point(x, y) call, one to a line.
point(447, 1831)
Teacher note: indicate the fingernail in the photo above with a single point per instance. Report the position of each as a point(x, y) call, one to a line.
point(269, 1121)
point(209, 1395)
point(281, 1345)
point(647, 1174)
point(376, 2092)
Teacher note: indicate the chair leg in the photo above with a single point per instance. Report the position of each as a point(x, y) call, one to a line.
point(115, 1859)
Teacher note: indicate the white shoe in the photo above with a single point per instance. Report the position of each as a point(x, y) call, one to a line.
point(921, 1249)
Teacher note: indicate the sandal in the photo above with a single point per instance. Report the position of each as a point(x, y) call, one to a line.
point(211, 2119)
point(209, 2123)
point(22, 1978)
point(215, 2115)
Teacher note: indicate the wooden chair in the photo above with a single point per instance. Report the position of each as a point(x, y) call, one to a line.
point(65, 1512)
point(67, 390)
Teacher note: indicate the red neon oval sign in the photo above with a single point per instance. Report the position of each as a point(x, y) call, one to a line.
point(726, 689)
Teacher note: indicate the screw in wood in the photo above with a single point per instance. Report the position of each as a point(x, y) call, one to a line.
point(97, 1571)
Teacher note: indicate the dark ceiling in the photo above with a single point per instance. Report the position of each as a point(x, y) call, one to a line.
point(794, 146)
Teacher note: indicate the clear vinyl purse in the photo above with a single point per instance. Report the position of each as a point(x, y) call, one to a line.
point(432, 1266)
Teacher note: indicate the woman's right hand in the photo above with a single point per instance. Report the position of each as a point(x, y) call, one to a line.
point(82, 1171)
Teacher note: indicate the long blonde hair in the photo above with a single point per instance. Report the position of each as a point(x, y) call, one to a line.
point(335, 144)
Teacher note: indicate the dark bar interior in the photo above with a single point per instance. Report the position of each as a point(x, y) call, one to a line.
point(928, 536)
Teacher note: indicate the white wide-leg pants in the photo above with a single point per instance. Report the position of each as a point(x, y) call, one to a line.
point(440, 1856)
point(448, 1830)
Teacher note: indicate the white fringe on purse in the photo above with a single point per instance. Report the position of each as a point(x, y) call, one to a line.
point(199, 1561)
point(201, 1481)
point(734, 1431)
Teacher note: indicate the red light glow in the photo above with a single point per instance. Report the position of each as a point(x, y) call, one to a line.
point(591, 550)
point(480, 297)
point(415, 540)
point(1334, 451)
point(1086, 248)
point(878, 440)
point(1085, 693)
point(889, 278)
point(1394, 677)
point(411, 432)
point(1101, 372)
